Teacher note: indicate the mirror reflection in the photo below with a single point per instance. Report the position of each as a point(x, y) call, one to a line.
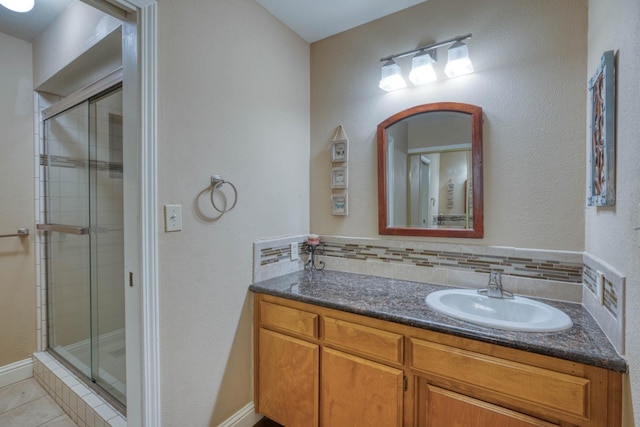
point(430, 158)
point(430, 171)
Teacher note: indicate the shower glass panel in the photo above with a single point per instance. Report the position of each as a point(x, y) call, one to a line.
point(85, 260)
point(68, 254)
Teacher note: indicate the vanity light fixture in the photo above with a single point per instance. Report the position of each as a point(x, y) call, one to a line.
point(18, 5)
point(422, 71)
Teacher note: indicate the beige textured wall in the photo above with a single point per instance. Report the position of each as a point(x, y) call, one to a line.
point(529, 58)
point(17, 263)
point(609, 235)
point(233, 99)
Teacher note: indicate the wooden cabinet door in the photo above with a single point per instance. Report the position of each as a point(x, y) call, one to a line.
point(445, 408)
point(287, 379)
point(356, 392)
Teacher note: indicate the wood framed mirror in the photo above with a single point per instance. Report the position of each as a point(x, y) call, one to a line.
point(430, 172)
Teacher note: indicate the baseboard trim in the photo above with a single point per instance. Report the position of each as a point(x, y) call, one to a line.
point(245, 417)
point(17, 371)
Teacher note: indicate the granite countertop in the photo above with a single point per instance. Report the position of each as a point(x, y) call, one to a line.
point(403, 302)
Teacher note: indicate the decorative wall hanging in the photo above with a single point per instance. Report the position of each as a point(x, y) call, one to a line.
point(340, 146)
point(340, 204)
point(339, 177)
point(450, 187)
point(602, 136)
point(340, 174)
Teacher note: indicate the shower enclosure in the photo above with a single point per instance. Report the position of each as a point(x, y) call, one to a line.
point(82, 188)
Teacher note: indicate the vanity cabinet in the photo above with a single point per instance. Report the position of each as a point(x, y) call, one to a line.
point(287, 361)
point(322, 367)
point(288, 379)
point(359, 392)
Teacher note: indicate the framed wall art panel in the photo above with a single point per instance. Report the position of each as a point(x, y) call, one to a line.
point(601, 165)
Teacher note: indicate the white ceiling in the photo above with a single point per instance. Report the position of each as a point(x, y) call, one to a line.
point(27, 26)
point(315, 20)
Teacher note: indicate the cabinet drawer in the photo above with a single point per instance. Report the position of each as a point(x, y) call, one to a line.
point(289, 319)
point(368, 341)
point(513, 382)
point(446, 408)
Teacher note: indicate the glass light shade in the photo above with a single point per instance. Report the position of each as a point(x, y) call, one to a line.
point(459, 62)
point(391, 77)
point(18, 5)
point(422, 71)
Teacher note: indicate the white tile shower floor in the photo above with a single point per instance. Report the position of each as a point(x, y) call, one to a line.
point(26, 404)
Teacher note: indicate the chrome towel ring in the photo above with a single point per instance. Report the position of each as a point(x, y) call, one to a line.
point(216, 183)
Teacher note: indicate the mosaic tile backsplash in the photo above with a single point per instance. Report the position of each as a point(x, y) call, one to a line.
point(534, 268)
point(610, 298)
point(510, 266)
point(610, 313)
point(277, 254)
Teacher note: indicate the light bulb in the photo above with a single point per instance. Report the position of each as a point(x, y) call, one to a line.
point(422, 71)
point(18, 5)
point(391, 77)
point(459, 62)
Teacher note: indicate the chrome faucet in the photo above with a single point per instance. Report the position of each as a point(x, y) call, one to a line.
point(494, 289)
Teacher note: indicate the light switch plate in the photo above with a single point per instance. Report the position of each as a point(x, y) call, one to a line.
point(172, 217)
point(295, 255)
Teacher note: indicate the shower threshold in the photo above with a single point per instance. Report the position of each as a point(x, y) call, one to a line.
point(79, 399)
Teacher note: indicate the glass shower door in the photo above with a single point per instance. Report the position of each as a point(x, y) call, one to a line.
point(66, 174)
point(107, 244)
point(85, 239)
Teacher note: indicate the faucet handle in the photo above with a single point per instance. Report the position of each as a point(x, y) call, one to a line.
point(494, 289)
point(495, 279)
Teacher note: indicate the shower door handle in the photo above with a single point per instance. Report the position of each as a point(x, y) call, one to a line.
point(62, 228)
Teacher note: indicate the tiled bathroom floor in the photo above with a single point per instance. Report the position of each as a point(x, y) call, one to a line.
point(26, 404)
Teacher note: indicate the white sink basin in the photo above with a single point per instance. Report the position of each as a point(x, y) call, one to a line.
point(517, 314)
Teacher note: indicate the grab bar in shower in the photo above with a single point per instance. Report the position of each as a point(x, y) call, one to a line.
point(61, 228)
point(20, 233)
